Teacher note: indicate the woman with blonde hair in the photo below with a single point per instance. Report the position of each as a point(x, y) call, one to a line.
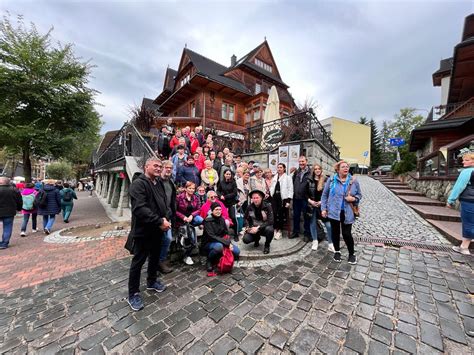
point(314, 191)
point(340, 191)
point(257, 182)
point(209, 176)
point(464, 191)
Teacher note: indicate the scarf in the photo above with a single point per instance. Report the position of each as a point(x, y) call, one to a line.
point(334, 182)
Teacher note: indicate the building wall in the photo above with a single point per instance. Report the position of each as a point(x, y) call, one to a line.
point(445, 89)
point(353, 139)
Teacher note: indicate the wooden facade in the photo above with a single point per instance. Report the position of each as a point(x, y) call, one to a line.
point(222, 98)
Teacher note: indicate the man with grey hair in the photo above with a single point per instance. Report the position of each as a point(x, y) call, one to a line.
point(149, 222)
point(10, 203)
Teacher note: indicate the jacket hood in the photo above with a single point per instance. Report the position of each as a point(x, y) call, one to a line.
point(28, 191)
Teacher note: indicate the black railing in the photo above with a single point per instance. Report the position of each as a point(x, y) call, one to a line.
point(268, 136)
point(127, 142)
point(464, 109)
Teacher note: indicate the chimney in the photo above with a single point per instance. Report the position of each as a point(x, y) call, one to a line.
point(233, 60)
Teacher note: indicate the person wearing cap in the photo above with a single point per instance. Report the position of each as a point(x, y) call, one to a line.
point(258, 221)
point(215, 238)
point(188, 172)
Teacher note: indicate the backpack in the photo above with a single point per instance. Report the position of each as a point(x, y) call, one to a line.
point(28, 202)
point(67, 195)
point(187, 235)
point(226, 262)
point(41, 199)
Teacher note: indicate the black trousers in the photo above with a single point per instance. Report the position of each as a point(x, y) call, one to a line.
point(144, 248)
point(267, 232)
point(232, 217)
point(336, 227)
point(280, 212)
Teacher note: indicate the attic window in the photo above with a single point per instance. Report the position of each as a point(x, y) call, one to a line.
point(185, 80)
point(263, 65)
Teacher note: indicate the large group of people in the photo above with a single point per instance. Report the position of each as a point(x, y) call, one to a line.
point(208, 199)
point(46, 198)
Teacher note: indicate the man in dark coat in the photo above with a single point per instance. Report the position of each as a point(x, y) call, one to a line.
point(188, 172)
point(10, 203)
point(52, 205)
point(258, 221)
point(300, 202)
point(163, 142)
point(149, 222)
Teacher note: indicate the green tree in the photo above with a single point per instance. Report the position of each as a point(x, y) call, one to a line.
point(375, 144)
point(364, 120)
point(405, 122)
point(61, 170)
point(45, 97)
point(388, 154)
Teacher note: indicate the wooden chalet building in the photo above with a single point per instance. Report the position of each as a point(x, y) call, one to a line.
point(450, 126)
point(218, 97)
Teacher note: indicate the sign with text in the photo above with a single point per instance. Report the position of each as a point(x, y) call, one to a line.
point(397, 142)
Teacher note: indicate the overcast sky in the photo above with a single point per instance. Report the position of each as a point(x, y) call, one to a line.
point(355, 58)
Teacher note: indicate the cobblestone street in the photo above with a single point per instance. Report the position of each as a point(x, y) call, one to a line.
point(394, 301)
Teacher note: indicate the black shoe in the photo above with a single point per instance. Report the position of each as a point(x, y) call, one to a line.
point(337, 257)
point(236, 238)
point(47, 231)
point(164, 268)
point(266, 249)
point(293, 236)
point(352, 259)
point(209, 266)
point(256, 244)
point(307, 238)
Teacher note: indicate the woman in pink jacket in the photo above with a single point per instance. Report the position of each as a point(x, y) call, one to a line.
point(28, 209)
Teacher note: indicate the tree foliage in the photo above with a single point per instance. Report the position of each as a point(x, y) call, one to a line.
point(46, 106)
point(375, 144)
point(61, 170)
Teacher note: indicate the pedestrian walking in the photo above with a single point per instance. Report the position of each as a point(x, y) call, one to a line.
point(464, 191)
point(149, 222)
point(281, 191)
point(28, 209)
point(340, 191)
point(48, 200)
point(300, 202)
point(68, 196)
point(10, 203)
point(258, 221)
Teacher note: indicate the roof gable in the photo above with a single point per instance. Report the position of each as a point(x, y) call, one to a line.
point(169, 79)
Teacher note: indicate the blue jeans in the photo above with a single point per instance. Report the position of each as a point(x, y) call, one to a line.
point(299, 206)
point(48, 221)
point(67, 209)
point(215, 250)
point(314, 228)
point(7, 230)
point(165, 244)
point(26, 218)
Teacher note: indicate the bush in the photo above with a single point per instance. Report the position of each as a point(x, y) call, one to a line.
point(60, 171)
point(408, 163)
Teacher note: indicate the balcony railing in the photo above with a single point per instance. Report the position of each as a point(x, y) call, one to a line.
point(127, 142)
point(456, 110)
point(268, 136)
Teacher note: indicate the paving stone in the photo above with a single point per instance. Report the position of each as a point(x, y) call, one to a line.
point(197, 315)
point(376, 348)
point(294, 295)
point(139, 326)
point(89, 320)
point(262, 329)
point(328, 296)
point(327, 345)
point(408, 318)
point(305, 341)
point(430, 335)
point(115, 340)
point(365, 311)
point(339, 320)
point(382, 335)
point(251, 344)
point(289, 324)
point(466, 309)
point(198, 348)
point(407, 328)
point(224, 346)
point(405, 343)
point(368, 299)
point(452, 331)
point(182, 340)
point(384, 321)
point(370, 291)
point(468, 326)
point(441, 297)
point(213, 334)
point(243, 309)
point(304, 305)
point(247, 323)
point(94, 340)
point(355, 341)
point(447, 311)
point(279, 339)
point(237, 333)
point(180, 326)
point(217, 314)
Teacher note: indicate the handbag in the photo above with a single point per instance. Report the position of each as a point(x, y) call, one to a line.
point(226, 262)
point(355, 208)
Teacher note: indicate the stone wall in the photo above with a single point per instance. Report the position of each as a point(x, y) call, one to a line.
point(436, 189)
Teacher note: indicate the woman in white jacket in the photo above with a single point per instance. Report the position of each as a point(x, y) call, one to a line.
point(281, 191)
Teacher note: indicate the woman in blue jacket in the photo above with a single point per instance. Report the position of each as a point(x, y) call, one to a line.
point(339, 192)
point(464, 190)
point(51, 207)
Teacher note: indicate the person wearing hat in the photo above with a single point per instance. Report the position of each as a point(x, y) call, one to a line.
point(258, 221)
point(215, 237)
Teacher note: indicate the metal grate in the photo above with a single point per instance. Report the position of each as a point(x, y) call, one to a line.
point(396, 243)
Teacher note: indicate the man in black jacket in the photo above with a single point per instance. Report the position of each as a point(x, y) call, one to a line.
point(259, 221)
point(149, 222)
point(10, 202)
point(300, 202)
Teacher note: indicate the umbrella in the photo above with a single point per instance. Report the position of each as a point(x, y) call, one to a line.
point(272, 111)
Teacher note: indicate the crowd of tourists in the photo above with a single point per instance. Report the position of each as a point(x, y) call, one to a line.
point(207, 199)
point(46, 198)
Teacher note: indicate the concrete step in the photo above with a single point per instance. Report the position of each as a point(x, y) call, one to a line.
point(437, 213)
point(451, 230)
point(392, 183)
point(398, 187)
point(420, 200)
point(387, 179)
point(406, 192)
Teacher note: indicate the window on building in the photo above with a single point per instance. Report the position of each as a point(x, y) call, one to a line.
point(263, 65)
point(258, 88)
point(193, 109)
point(248, 116)
point(256, 114)
point(434, 165)
point(228, 111)
point(184, 80)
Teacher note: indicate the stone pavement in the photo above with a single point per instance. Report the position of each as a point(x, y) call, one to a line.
point(30, 261)
point(394, 301)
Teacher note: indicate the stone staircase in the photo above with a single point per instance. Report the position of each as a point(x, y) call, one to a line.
point(446, 221)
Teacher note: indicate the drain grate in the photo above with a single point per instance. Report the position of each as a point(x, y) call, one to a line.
point(403, 243)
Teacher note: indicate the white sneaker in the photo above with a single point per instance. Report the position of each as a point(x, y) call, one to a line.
point(188, 261)
point(464, 251)
point(34, 230)
point(331, 248)
point(315, 245)
point(23, 234)
point(277, 235)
